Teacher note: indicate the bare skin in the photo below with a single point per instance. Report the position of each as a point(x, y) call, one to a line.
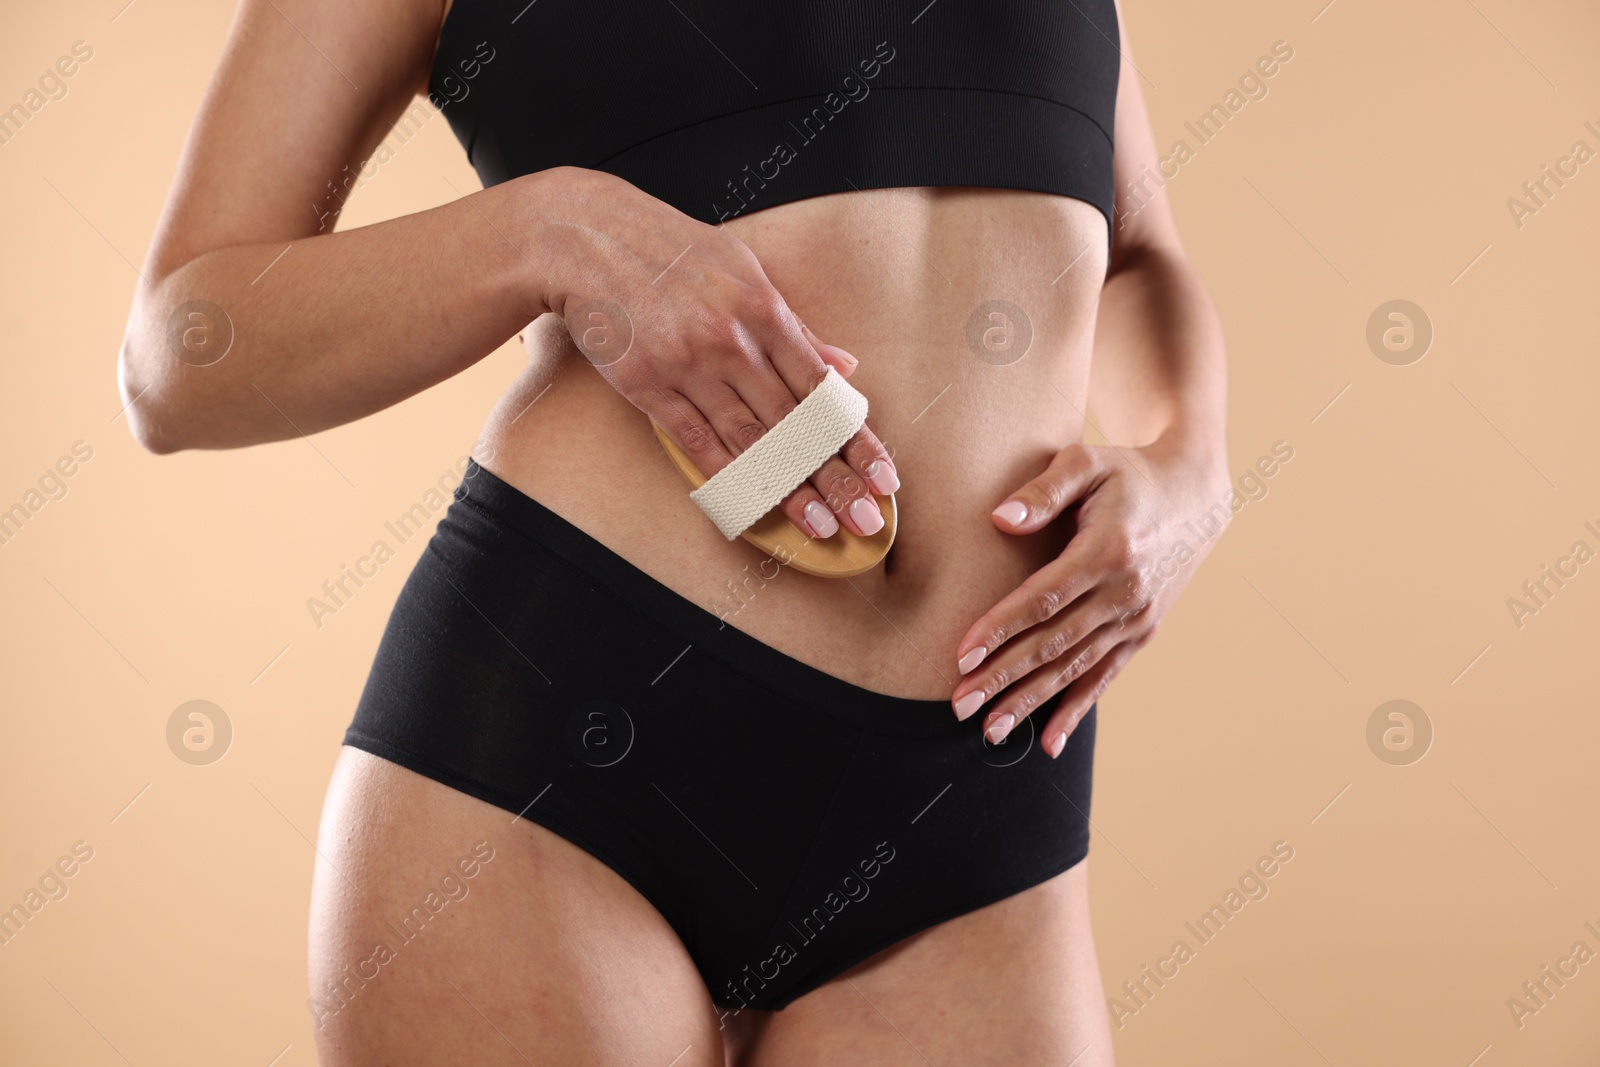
point(552, 957)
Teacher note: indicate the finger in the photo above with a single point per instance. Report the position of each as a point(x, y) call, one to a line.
point(792, 349)
point(1081, 695)
point(689, 430)
point(1042, 645)
point(832, 355)
point(834, 495)
point(1034, 691)
point(848, 496)
point(794, 355)
point(834, 486)
point(1073, 472)
point(739, 427)
point(1049, 590)
point(847, 485)
point(851, 484)
point(866, 454)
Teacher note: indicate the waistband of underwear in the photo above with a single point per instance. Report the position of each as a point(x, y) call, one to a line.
point(701, 629)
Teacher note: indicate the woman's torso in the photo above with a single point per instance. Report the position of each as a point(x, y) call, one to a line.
point(972, 313)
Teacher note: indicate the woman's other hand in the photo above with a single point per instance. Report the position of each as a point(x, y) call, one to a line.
point(1146, 517)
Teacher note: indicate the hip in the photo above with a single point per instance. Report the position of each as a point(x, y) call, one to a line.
point(527, 665)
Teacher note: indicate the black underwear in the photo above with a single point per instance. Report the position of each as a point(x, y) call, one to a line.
point(787, 824)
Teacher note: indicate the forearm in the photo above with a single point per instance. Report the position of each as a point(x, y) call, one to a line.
point(1159, 373)
point(327, 329)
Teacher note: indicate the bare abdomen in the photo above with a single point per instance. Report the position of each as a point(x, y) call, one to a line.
point(972, 313)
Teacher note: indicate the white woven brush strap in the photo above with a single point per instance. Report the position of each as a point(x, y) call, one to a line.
point(760, 477)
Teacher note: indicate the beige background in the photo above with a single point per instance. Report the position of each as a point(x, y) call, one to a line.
point(1377, 567)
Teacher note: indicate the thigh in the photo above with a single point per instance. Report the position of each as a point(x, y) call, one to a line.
point(1016, 982)
point(446, 930)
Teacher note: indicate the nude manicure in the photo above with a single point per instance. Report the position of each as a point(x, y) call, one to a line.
point(1014, 512)
point(882, 477)
point(866, 515)
point(999, 726)
point(969, 704)
point(970, 661)
point(1057, 745)
point(821, 520)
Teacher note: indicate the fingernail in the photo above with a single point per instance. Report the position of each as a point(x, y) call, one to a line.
point(864, 511)
point(1012, 511)
point(999, 726)
point(969, 704)
point(882, 477)
point(1057, 745)
point(970, 661)
point(821, 520)
point(838, 352)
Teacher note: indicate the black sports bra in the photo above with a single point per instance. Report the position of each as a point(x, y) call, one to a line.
point(720, 107)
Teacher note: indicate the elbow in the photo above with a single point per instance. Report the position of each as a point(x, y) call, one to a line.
point(148, 419)
point(1145, 251)
point(150, 437)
